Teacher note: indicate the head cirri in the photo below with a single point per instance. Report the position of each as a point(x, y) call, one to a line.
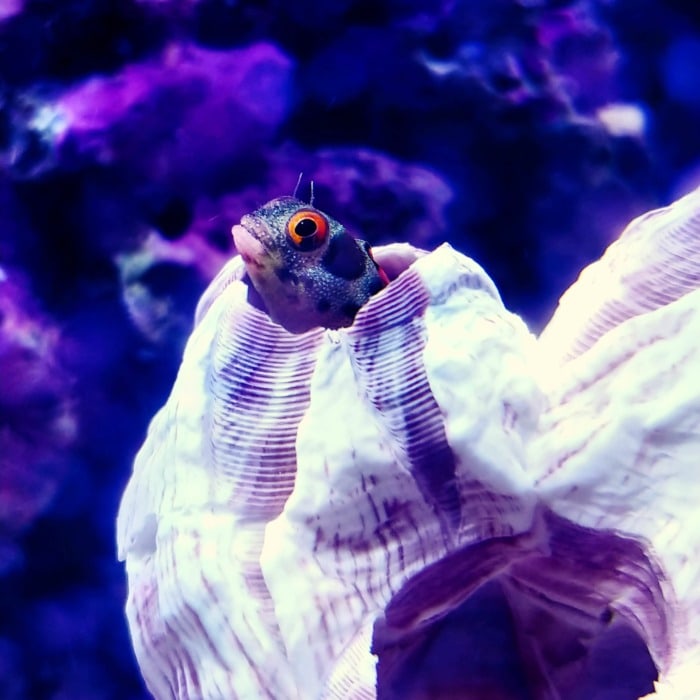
point(308, 270)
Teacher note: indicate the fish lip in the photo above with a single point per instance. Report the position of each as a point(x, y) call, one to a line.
point(257, 228)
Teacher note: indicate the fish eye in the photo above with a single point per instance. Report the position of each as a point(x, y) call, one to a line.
point(307, 229)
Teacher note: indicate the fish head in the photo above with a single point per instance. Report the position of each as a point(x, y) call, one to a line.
point(308, 270)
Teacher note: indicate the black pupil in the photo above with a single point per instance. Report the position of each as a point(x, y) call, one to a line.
point(305, 228)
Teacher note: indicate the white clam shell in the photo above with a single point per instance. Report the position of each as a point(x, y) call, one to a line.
point(655, 261)
point(619, 446)
point(304, 505)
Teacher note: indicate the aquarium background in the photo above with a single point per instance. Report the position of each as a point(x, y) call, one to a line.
point(134, 133)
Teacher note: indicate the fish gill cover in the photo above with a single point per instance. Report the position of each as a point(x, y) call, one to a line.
point(134, 133)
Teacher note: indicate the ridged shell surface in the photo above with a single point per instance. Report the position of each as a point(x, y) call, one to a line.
point(307, 508)
point(655, 261)
point(618, 447)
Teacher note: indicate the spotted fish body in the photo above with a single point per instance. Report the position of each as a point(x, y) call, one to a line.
point(307, 269)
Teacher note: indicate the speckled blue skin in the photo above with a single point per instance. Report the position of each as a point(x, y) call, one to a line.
point(304, 289)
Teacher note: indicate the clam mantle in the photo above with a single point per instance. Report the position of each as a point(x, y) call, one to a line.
point(307, 509)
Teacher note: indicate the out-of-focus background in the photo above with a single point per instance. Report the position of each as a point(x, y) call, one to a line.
point(134, 133)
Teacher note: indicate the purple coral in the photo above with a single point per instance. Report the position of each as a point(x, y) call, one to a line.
point(38, 417)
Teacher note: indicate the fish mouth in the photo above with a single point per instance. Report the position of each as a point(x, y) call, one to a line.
point(258, 229)
point(253, 241)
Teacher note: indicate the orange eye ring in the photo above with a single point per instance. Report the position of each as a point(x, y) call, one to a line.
point(307, 229)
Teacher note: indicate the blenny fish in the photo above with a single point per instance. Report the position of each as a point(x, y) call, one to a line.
point(308, 270)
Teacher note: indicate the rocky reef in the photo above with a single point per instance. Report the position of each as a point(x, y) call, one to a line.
point(135, 133)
